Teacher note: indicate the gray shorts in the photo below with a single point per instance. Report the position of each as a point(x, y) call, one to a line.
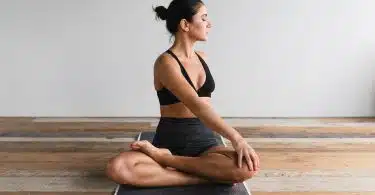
point(184, 136)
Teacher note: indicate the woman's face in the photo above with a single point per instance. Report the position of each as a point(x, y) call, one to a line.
point(200, 25)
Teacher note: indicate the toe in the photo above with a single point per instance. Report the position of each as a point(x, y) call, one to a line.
point(136, 144)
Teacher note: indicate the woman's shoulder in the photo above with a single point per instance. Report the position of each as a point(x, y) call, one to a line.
point(164, 64)
point(164, 59)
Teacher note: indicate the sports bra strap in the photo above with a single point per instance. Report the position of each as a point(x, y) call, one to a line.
point(182, 69)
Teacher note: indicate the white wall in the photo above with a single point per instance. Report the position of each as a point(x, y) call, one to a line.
point(269, 57)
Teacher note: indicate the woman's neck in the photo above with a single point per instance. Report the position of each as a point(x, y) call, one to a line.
point(184, 47)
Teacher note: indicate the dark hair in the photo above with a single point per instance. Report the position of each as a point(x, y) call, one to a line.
point(177, 10)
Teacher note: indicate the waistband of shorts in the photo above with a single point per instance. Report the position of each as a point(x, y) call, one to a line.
point(192, 120)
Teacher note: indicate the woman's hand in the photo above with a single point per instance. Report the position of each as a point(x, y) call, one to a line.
point(244, 150)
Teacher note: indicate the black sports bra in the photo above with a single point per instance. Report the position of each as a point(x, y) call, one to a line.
point(166, 97)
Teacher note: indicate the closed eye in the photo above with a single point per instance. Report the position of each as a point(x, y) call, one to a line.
point(204, 17)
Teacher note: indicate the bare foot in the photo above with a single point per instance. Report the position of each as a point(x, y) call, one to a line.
point(146, 147)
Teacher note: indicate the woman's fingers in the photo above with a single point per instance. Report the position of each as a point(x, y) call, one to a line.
point(258, 161)
point(255, 159)
point(239, 158)
point(248, 160)
point(247, 152)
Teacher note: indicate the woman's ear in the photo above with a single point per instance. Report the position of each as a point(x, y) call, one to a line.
point(184, 24)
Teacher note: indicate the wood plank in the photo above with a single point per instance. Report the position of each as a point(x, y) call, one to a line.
point(54, 163)
point(350, 126)
point(67, 146)
point(311, 144)
point(44, 172)
point(9, 126)
point(36, 144)
point(269, 159)
point(85, 172)
point(80, 168)
point(317, 160)
point(119, 145)
point(11, 119)
point(301, 161)
point(76, 140)
point(56, 157)
point(279, 133)
point(71, 134)
point(339, 130)
point(347, 119)
point(313, 193)
point(316, 173)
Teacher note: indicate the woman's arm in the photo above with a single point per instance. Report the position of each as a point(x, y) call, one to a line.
point(169, 74)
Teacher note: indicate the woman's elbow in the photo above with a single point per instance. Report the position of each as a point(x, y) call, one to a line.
point(196, 106)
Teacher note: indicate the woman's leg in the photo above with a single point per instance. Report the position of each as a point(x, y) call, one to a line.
point(138, 169)
point(216, 165)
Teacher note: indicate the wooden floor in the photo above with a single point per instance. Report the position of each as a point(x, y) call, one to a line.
point(67, 156)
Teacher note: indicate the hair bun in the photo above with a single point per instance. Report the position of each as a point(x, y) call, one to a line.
point(161, 12)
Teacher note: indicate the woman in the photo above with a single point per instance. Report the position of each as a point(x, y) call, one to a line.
point(184, 150)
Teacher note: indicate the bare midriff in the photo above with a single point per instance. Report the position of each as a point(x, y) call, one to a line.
point(178, 110)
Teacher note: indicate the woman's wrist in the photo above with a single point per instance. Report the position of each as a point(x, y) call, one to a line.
point(235, 136)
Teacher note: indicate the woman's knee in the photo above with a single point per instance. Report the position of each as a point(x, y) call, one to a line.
point(242, 174)
point(119, 168)
point(237, 174)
